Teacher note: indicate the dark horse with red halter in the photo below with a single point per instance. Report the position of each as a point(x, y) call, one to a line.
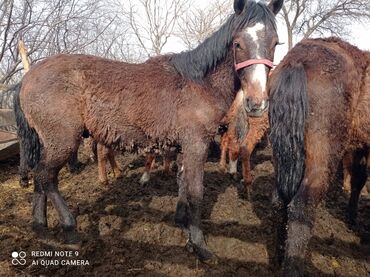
point(319, 110)
point(171, 100)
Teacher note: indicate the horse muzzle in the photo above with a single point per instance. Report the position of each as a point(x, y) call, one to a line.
point(255, 110)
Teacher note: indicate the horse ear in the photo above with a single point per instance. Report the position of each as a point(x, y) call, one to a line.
point(239, 6)
point(276, 5)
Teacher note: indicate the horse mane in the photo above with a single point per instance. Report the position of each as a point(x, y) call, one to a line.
point(196, 63)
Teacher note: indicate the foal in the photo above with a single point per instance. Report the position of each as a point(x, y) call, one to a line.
point(257, 128)
point(320, 106)
point(102, 154)
point(150, 163)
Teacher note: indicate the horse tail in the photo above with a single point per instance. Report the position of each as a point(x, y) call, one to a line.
point(288, 110)
point(28, 137)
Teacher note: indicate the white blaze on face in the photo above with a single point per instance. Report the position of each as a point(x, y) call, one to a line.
point(259, 74)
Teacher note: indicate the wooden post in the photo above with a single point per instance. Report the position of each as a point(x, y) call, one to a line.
point(23, 53)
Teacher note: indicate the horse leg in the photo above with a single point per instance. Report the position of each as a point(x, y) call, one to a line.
point(102, 155)
point(301, 209)
point(245, 156)
point(224, 148)
point(166, 162)
point(250, 143)
point(358, 181)
point(149, 164)
point(347, 170)
point(46, 186)
point(246, 152)
point(39, 208)
point(117, 171)
point(91, 147)
point(280, 218)
point(233, 157)
point(73, 163)
point(181, 215)
point(23, 168)
point(188, 210)
point(257, 130)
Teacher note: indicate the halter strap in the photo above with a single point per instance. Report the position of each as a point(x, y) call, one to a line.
point(250, 62)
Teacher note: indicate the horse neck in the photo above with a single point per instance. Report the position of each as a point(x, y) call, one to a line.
point(222, 80)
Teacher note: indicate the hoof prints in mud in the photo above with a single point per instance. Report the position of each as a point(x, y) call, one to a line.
point(129, 229)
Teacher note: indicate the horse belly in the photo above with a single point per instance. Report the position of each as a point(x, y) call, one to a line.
point(129, 138)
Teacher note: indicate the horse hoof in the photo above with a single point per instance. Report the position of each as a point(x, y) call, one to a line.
point(223, 168)
point(351, 222)
point(236, 177)
point(203, 254)
point(277, 259)
point(144, 178)
point(182, 217)
point(72, 239)
point(41, 230)
point(76, 168)
point(104, 183)
point(189, 247)
point(24, 183)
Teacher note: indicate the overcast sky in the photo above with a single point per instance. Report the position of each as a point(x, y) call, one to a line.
point(360, 37)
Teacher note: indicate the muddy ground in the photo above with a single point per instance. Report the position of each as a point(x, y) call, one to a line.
point(128, 230)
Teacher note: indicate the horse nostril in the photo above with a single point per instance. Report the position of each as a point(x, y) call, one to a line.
point(249, 104)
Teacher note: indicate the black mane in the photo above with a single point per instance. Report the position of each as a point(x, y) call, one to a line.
point(195, 64)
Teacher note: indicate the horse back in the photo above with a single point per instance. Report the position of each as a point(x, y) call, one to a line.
point(118, 103)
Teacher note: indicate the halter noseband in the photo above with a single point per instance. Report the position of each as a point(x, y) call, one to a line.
point(250, 62)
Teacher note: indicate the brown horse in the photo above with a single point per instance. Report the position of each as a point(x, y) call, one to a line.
point(150, 163)
point(102, 154)
point(319, 110)
point(257, 128)
point(169, 101)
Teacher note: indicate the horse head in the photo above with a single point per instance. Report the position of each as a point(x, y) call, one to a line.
point(254, 45)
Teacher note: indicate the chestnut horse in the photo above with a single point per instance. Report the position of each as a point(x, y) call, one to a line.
point(150, 163)
point(230, 144)
point(102, 154)
point(319, 111)
point(168, 101)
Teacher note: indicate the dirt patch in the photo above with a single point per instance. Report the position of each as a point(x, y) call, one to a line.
point(127, 229)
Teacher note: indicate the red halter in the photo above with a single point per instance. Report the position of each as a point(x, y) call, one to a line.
point(247, 63)
point(250, 62)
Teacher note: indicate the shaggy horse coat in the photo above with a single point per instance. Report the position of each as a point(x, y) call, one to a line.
point(172, 100)
point(320, 106)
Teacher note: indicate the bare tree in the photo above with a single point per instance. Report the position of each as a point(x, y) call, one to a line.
point(199, 23)
point(56, 26)
point(153, 22)
point(304, 18)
